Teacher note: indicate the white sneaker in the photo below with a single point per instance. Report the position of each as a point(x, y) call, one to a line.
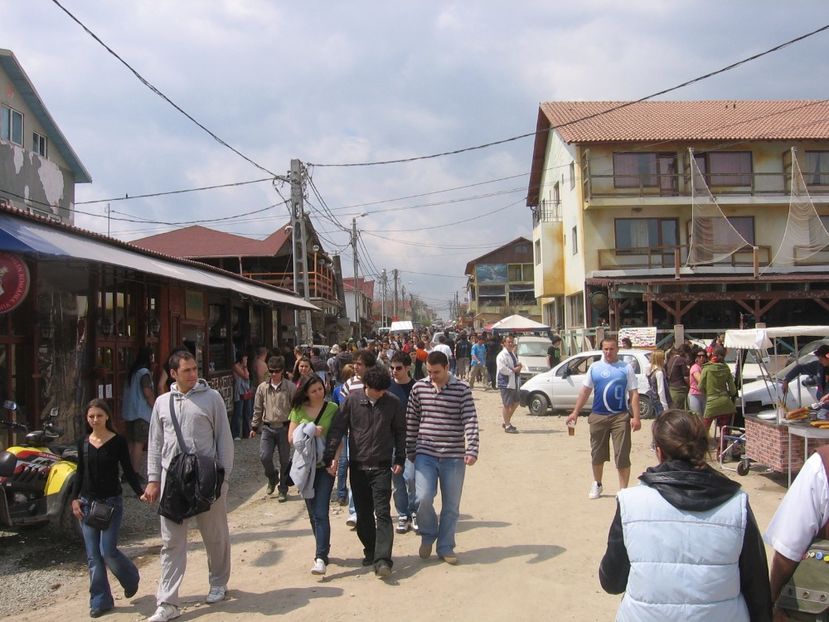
point(164, 613)
point(402, 524)
point(595, 491)
point(216, 594)
point(352, 520)
point(318, 567)
point(415, 528)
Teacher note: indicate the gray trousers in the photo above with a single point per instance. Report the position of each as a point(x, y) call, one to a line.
point(275, 439)
point(216, 536)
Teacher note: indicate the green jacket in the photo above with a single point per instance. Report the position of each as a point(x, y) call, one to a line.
point(717, 383)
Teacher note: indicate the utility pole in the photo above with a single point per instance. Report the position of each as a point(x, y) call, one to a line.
point(394, 312)
point(357, 289)
point(300, 252)
point(383, 307)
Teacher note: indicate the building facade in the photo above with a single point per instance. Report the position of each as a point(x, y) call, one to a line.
point(501, 283)
point(626, 233)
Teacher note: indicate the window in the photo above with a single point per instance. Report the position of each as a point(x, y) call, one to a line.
point(521, 272)
point(572, 175)
point(645, 170)
point(816, 169)
point(491, 296)
point(537, 252)
point(726, 168)
point(556, 194)
point(646, 233)
point(521, 295)
point(575, 309)
point(744, 225)
point(11, 125)
point(39, 144)
point(574, 240)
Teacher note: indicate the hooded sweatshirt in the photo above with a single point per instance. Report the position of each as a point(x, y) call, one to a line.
point(202, 415)
point(685, 545)
point(717, 383)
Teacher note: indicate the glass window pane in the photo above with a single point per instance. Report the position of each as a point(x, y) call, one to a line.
point(17, 127)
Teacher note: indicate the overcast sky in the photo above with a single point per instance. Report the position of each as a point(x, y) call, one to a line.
point(337, 82)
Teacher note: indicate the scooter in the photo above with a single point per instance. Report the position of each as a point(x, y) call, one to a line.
point(36, 478)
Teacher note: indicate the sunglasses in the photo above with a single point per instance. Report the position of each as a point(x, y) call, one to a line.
point(276, 371)
point(396, 367)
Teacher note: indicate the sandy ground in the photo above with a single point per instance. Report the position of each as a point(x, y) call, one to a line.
point(529, 542)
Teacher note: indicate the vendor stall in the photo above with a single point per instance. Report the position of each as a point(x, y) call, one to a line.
point(768, 435)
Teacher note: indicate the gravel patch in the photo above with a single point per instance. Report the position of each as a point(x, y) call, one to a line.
point(38, 568)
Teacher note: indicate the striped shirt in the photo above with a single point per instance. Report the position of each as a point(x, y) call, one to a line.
point(441, 423)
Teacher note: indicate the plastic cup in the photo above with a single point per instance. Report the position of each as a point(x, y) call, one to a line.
point(571, 429)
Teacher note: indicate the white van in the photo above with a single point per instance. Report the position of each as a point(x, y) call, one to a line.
point(532, 354)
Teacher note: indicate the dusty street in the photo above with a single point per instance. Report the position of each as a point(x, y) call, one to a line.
point(529, 543)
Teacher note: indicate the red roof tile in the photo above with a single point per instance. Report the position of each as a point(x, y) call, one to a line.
point(366, 286)
point(198, 241)
point(689, 120)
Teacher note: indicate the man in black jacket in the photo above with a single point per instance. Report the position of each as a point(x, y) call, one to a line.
point(376, 425)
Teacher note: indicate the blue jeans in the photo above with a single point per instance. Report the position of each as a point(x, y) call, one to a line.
point(342, 472)
point(449, 473)
point(242, 414)
point(318, 513)
point(102, 553)
point(405, 500)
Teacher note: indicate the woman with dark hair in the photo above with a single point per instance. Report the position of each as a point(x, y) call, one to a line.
point(304, 370)
point(97, 479)
point(684, 545)
point(139, 398)
point(242, 398)
point(311, 418)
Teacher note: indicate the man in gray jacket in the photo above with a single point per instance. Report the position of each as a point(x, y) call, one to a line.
point(202, 416)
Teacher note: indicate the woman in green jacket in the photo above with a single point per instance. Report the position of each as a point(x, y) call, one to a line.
point(717, 383)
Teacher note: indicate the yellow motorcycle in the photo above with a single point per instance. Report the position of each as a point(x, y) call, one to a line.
point(36, 479)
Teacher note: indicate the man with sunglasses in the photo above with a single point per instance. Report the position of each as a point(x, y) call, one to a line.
point(403, 483)
point(271, 407)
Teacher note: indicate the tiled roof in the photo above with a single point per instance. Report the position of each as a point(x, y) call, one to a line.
point(470, 267)
point(198, 241)
point(689, 120)
point(366, 286)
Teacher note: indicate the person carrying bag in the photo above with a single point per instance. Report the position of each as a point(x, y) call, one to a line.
point(98, 505)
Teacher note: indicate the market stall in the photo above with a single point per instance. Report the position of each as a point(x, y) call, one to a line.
point(768, 435)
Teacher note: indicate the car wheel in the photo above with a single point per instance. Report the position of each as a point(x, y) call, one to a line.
point(646, 410)
point(538, 404)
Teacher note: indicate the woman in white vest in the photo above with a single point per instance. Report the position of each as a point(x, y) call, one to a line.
point(684, 544)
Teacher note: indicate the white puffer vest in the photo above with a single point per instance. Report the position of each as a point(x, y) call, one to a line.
point(683, 565)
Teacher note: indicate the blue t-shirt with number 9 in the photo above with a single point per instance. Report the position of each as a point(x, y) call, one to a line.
point(611, 383)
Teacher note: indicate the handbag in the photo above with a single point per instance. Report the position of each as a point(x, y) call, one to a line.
point(99, 515)
point(193, 482)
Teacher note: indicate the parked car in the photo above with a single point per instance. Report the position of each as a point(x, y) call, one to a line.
point(558, 389)
point(532, 353)
point(763, 394)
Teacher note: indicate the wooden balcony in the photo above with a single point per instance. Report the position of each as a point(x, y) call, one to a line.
point(675, 258)
point(322, 284)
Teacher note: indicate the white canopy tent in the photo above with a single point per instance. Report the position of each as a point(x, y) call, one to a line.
point(403, 326)
point(518, 324)
point(763, 339)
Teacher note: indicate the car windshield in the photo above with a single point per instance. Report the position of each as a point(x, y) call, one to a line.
point(532, 348)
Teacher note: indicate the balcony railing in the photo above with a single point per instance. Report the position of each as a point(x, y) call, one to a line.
point(546, 211)
point(321, 285)
point(675, 257)
point(679, 184)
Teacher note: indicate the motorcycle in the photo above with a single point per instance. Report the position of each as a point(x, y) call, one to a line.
point(36, 478)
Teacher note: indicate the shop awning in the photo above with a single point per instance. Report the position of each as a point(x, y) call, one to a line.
point(21, 236)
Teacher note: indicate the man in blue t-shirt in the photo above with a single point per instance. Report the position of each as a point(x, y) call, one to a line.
point(615, 413)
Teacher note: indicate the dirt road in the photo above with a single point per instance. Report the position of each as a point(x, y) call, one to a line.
point(529, 542)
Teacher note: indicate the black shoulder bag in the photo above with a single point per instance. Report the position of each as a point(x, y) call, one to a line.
point(100, 514)
point(193, 482)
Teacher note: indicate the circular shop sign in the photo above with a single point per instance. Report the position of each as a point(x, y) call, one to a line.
point(14, 281)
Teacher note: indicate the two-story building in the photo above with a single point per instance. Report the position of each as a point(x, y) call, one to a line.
point(500, 283)
point(269, 260)
point(626, 232)
point(358, 304)
point(38, 166)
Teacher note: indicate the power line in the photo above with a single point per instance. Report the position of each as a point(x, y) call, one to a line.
point(449, 224)
point(158, 92)
point(619, 106)
point(127, 197)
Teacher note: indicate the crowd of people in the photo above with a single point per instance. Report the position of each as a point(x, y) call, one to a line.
point(366, 426)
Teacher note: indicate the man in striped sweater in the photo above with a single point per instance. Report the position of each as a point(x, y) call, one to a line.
point(441, 440)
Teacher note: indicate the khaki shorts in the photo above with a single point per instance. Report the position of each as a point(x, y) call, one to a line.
point(138, 431)
point(602, 429)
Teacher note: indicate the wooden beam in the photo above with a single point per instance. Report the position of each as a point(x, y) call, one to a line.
point(738, 295)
